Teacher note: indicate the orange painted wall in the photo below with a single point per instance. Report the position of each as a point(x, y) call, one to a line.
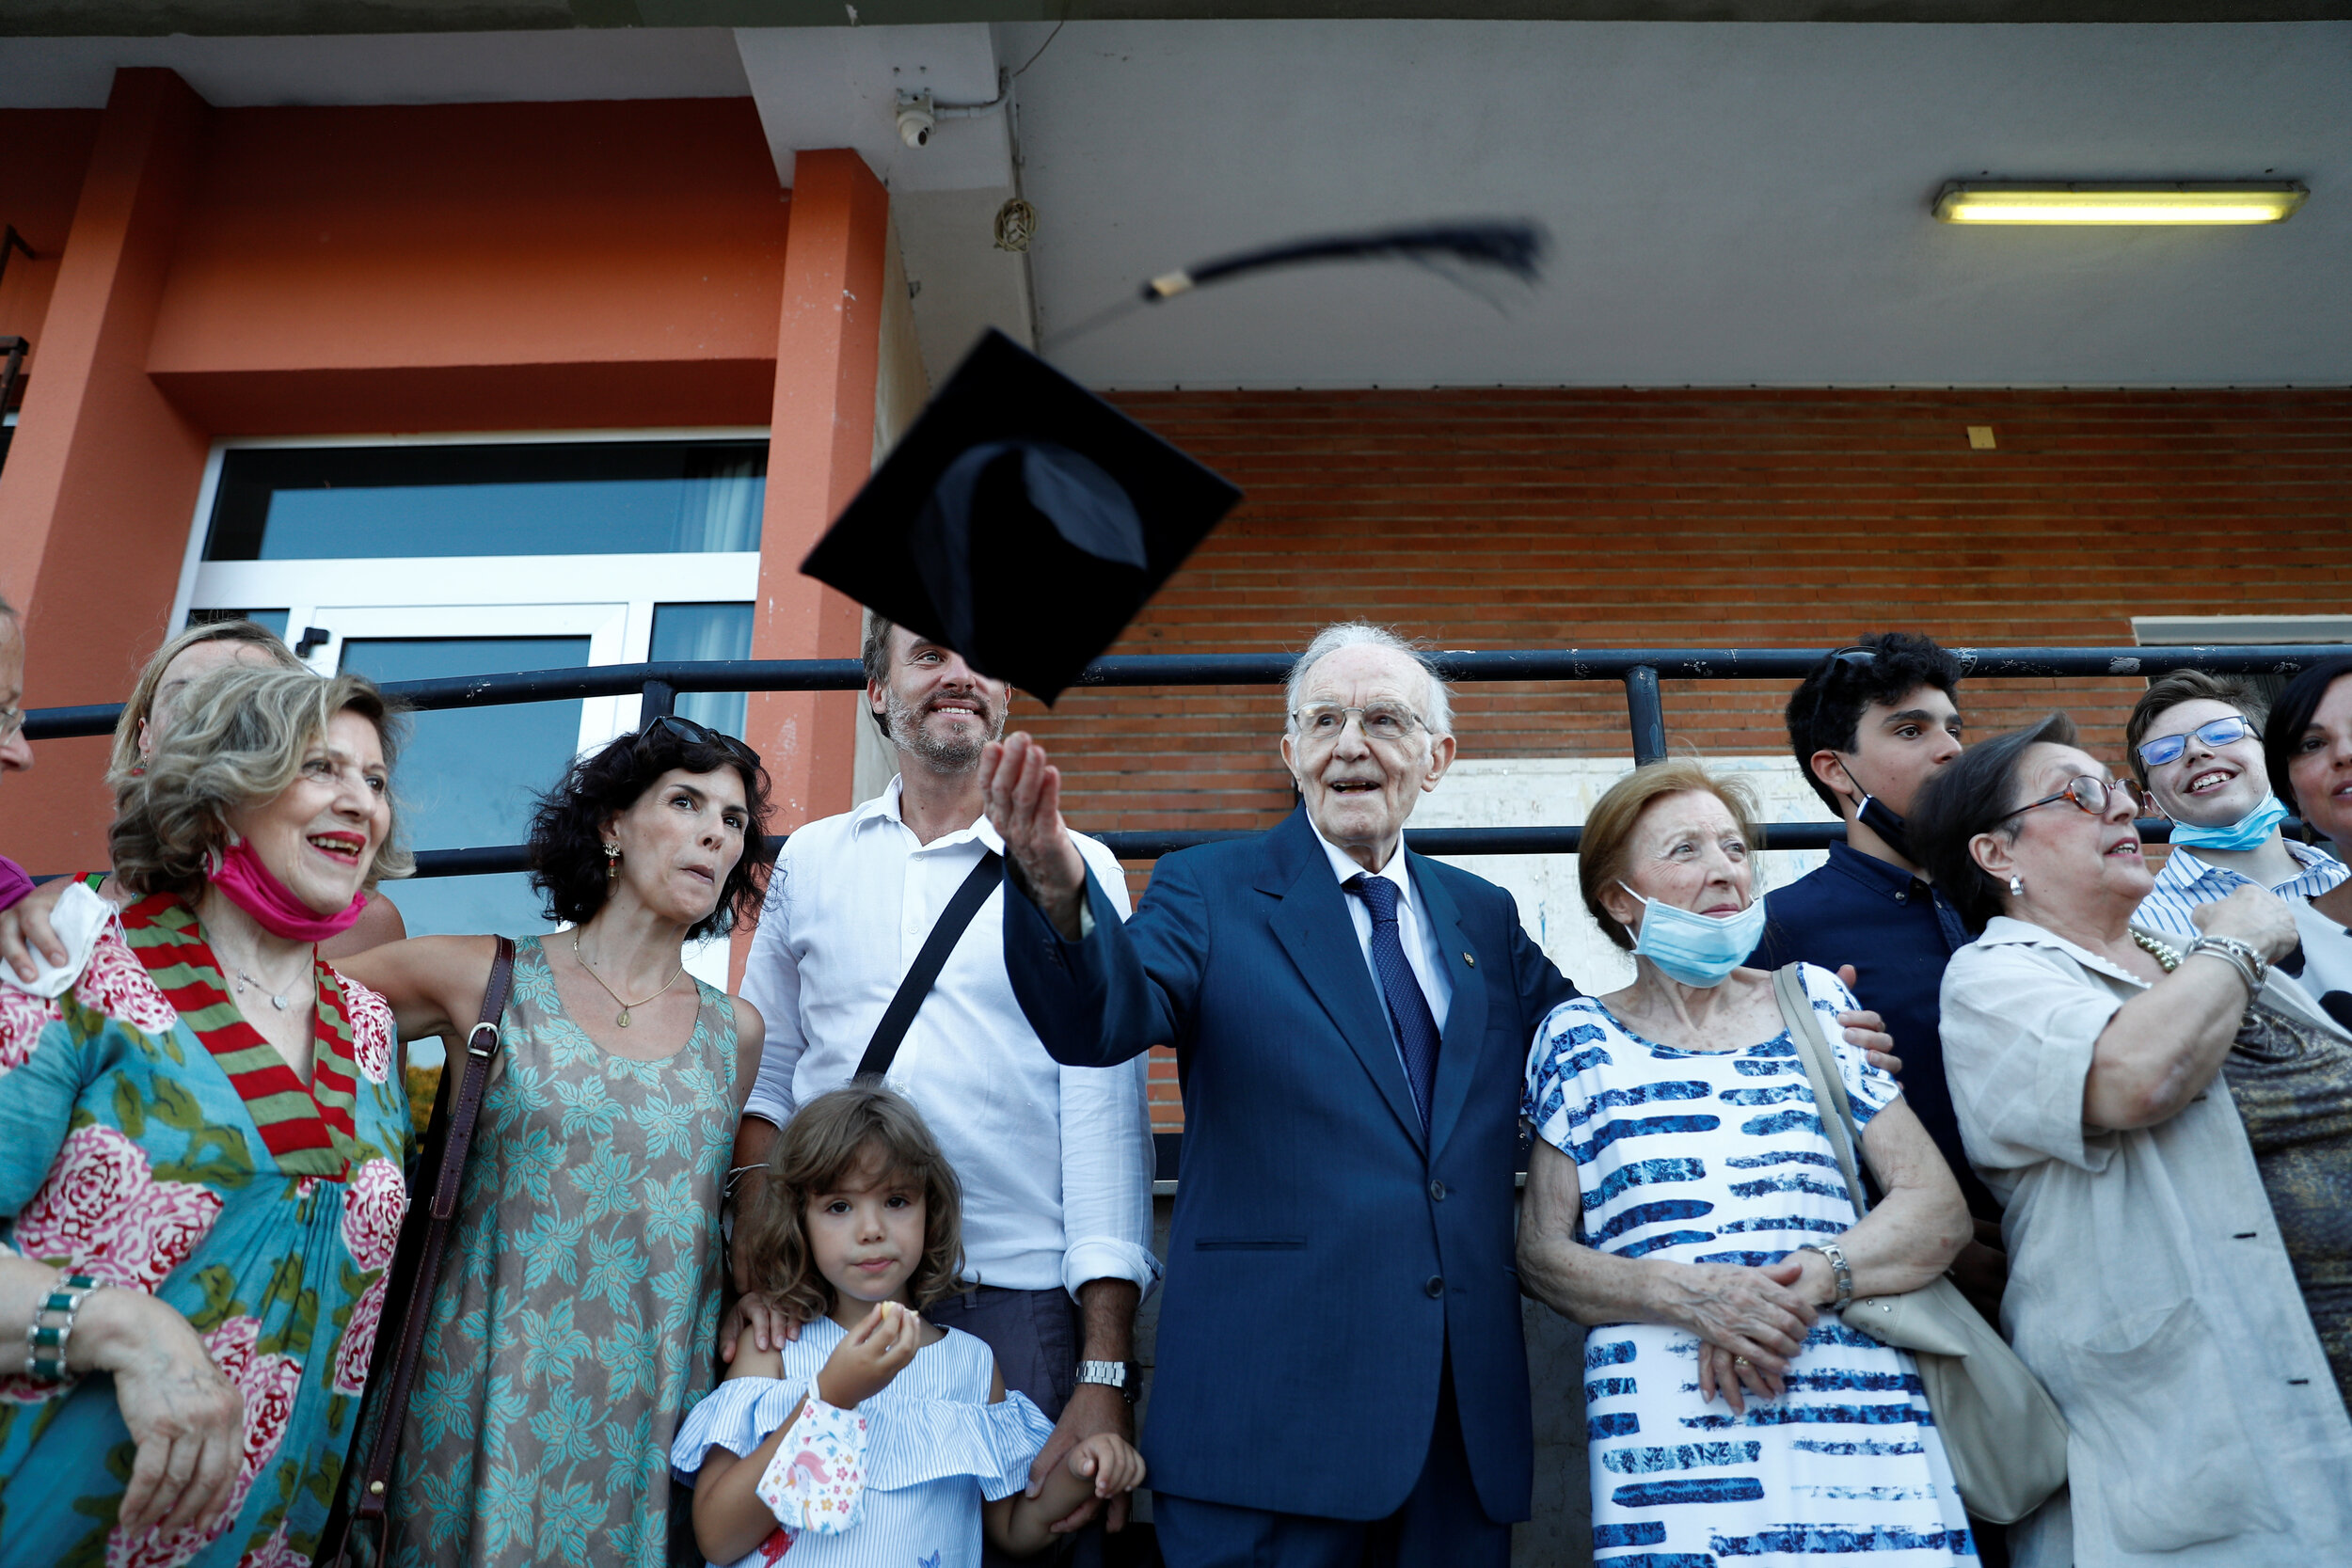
point(44, 155)
point(104, 471)
point(828, 354)
point(477, 266)
point(350, 271)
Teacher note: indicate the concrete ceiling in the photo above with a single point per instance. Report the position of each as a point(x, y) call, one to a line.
point(1730, 205)
point(254, 18)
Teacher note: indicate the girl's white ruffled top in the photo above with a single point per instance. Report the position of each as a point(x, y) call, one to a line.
point(898, 1480)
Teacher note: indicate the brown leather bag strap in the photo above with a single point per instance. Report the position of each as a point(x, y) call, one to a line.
point(417, 1264)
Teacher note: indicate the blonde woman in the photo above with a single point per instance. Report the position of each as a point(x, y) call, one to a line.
point(147, 715)
point(199, 1151)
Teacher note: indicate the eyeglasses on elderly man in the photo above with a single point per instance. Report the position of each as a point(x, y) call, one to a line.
point(1383, 723)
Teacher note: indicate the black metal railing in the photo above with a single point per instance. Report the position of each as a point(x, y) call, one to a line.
point(1638, 670)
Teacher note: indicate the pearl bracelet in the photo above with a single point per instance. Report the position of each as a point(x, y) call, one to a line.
point(52, 1328)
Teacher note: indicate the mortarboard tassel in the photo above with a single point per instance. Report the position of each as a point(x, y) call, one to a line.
point(1516, 247)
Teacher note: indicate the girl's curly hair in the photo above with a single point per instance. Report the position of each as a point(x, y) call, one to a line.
point(567, 863)
point(242, 738)
point(837, 1138)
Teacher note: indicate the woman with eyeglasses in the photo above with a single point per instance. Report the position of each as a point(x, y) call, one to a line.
point(2159, 1262)
point(582, 1279)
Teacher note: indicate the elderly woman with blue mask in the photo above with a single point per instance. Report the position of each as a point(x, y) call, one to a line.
point(1685, 1203)
point(2195, 744)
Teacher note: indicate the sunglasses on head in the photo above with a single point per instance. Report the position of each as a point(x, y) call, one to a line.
point(2219, 733)
point(692, 733)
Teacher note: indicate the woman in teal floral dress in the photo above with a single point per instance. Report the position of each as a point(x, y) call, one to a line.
point(574, 1324)
point(200, 1140)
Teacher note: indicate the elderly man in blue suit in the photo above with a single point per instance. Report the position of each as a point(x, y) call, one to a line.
point(1341, 1378)
point(1340, 1372)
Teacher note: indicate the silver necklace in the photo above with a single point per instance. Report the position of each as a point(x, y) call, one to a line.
point(278, 1000)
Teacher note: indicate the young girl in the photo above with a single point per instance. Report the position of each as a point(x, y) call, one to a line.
point(874, 1437)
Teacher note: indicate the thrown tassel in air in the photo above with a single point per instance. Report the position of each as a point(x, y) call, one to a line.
point(1515, 247)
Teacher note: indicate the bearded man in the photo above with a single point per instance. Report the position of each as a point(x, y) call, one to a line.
point(1055, 1162)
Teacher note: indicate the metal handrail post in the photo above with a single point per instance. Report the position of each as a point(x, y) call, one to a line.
point(659, 701)
point(1645, 712)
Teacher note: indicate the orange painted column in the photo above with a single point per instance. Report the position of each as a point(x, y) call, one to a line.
point(103, 477)
point(821, 450)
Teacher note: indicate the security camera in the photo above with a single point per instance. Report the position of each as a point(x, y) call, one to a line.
point(915, 118)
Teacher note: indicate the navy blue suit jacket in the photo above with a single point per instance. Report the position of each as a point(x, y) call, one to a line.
point(1326, 1253)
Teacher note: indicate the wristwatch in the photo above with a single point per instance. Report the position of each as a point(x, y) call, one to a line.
point(1122, 1375)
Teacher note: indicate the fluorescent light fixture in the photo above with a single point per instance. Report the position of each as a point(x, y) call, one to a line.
point(2248, 202)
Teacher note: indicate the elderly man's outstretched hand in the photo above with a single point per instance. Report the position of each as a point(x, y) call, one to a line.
point(1022, 794)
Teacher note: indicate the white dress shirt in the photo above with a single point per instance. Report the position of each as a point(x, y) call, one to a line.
point(1412, 928)
point(1055, 1162)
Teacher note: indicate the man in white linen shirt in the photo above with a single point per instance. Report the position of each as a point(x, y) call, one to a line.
point(1056, 1162)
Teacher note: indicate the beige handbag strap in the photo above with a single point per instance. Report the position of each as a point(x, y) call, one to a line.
point(1821, 1071)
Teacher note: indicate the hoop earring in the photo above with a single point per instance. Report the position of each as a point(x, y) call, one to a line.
point(2016, 887)
point(612, 865)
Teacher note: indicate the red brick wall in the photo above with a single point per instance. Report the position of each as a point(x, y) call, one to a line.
point(1614, 518)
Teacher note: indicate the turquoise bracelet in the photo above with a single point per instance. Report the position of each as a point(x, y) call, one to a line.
point(52, 1328)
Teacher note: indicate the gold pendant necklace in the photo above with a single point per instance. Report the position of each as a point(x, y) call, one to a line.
point(626, 1005)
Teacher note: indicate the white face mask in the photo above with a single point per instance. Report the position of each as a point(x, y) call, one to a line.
point(1696, 949)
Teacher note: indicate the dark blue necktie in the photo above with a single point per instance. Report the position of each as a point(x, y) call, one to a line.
point(1408, 1009)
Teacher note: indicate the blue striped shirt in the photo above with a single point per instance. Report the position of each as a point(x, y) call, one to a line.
point(2187, 881)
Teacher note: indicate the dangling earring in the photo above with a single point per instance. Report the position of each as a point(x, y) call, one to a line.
point(2016, 886)
point(612, 865)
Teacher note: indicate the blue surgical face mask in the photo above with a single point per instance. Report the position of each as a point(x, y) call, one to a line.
point(1698, 950)
point(2247, 832)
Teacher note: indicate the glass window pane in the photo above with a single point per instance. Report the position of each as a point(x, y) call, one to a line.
point(705, 631)
point(467, 776)
point(274, 620)
point(564, 498)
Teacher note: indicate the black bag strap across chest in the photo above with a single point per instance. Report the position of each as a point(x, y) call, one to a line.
point(899, 1016)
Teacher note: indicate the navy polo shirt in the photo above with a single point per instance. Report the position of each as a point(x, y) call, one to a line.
point(1898, 933)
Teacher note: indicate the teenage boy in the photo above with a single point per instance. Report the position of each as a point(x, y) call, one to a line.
point(1868, 726)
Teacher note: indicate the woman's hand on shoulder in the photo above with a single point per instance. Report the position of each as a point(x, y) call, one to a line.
point(1865, 1031)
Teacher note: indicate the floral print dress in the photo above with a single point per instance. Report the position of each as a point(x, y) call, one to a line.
point(151, 1138)
point(579, 1310)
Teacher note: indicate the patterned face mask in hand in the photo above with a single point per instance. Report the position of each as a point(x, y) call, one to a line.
point(1698, 950)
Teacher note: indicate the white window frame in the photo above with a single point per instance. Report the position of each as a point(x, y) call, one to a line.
point(498, 590)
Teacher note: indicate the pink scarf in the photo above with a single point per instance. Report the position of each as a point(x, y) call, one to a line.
point(14, 884)
point(248, 884)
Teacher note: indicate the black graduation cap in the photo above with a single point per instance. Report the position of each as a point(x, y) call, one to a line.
point(1021, 522)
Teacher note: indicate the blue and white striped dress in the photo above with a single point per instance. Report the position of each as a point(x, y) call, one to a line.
point(1719, 1157)
point(935, 1447)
